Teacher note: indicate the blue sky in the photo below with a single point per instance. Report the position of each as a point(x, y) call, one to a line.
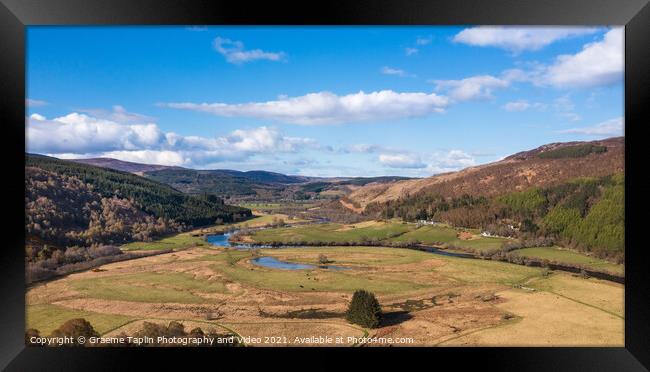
point(320, 101)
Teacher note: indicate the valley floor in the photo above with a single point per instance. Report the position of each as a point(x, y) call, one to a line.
point(427, 299)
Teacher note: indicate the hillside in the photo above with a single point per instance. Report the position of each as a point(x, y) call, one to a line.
point(63, 211)
point(152, 198)
point(544, 166)
point(225, 183)
point(222, 182)
point(120, 165)
point(241, 185)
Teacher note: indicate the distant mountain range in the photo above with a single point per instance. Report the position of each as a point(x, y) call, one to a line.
point(546, 165)
point(238, 184)
point(258, 176)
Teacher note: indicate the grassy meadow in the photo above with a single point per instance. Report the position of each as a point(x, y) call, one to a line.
point(557, 254)
point(378, 231)
point(175, 242)
point(332, 233)
point(188, 284)
point(46, 318)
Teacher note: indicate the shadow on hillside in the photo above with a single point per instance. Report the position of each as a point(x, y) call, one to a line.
point(395, 318)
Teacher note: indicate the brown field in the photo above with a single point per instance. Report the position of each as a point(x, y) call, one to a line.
point(431, 299)
point(547, 320)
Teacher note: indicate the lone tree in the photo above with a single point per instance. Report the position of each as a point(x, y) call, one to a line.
point(75, 328)
point(364, 309)
point(31, 333)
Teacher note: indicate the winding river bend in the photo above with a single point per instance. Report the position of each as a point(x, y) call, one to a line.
point(222, 240)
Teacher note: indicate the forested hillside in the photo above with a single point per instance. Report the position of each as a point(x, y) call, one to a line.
point(76, 215)
point(584, 213)
point(151, 197)
point(196, 182)
point(63, 211)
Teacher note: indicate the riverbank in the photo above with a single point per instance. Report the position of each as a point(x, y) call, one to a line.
point(509, 257)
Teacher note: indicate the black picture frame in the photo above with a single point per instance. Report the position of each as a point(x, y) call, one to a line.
point(15, 15)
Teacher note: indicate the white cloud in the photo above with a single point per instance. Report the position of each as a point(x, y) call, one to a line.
point(235, 53)
point(264, 139)
point(401, 161)
point(410, 51)
point(518, 75)
point(449, 161)
point(425, 163)
point(117, 114)
point(37, 117)
point(518, 39)
point(394, 71)
point(612, 127)
point(523, 105)
point(475, 87)
point(35, 102)
point(329, 108)
point(81, 133)
point(371, 149)
point(83, 136)
point(417, 164)
point(598, 63)
point(420, 41)
point(158, 157)
point(424, 40)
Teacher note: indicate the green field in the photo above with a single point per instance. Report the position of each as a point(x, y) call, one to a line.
point(444, 235)
point(266, 219)
point(335, 281)
point(377, 231)
point(332, 232)
point(354, 256)
point(194, 239)
point(46, 318)
point(482, 244)
point(158, 287)
point(453, 268)
point(378, 269)
point(264, 206)
point(321, 280)
point(176, 242)
point(365, 270)
point(483, 271)
point(257, 221)
point(429, 235)
point(556, 254)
